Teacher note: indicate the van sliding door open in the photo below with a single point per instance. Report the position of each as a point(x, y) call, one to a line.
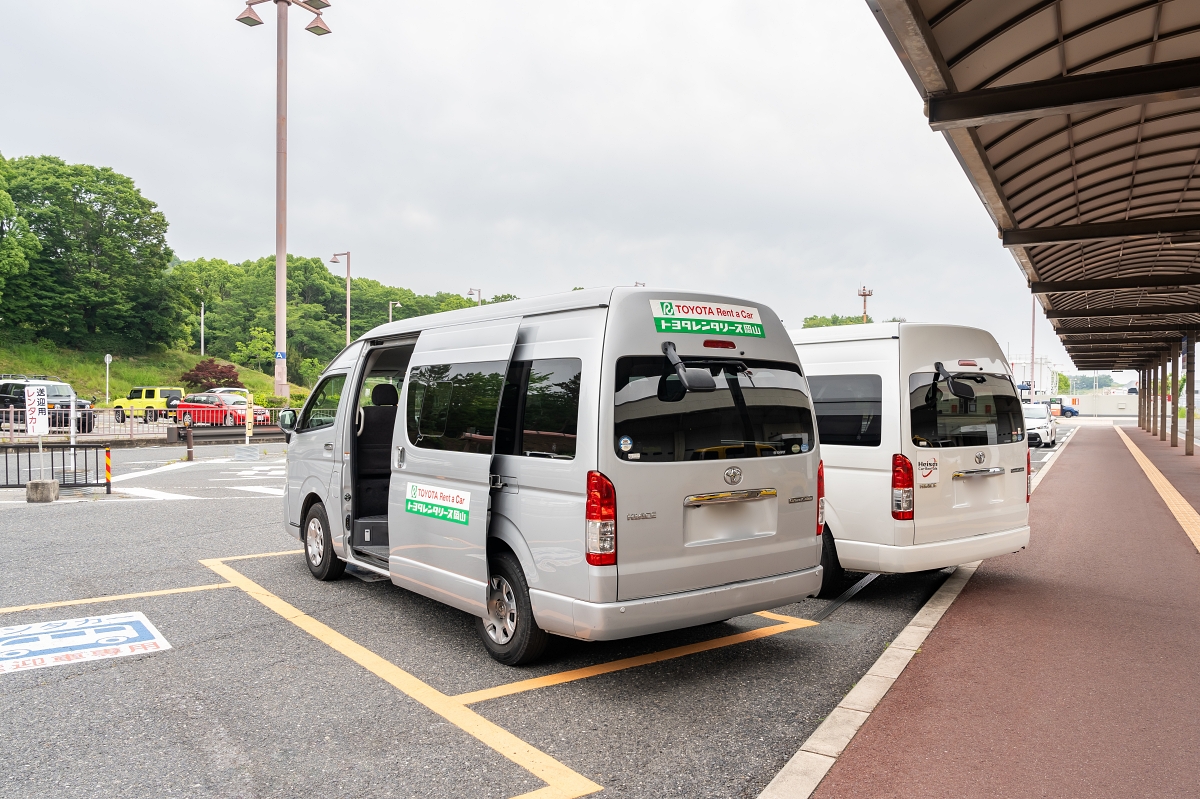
point(439, 494)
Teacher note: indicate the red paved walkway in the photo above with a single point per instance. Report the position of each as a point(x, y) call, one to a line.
point(1071, 669)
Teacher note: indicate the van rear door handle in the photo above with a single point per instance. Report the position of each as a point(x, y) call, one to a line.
point(979, 472)
point(721, 497)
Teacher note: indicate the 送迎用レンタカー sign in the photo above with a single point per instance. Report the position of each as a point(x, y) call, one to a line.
point(682, 316)
point(438, 503)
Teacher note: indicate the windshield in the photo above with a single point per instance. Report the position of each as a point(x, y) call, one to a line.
point(59, 390)
point(760, 412)
point(940, 419)
point(1034, 411)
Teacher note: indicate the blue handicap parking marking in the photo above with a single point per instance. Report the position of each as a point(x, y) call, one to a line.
point(57, 643)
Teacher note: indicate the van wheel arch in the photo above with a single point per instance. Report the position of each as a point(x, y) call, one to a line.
point(832, 573)
point(503, 535)
point(309, 501)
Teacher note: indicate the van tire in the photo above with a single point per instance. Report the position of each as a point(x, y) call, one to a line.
point(832, 573)
point(324, 564)
point(119, 415)
point(526, 642)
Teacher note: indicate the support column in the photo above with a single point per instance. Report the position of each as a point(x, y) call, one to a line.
point(1173, 392)
point(1189, 387)
point(1153, 400)
point(1162, 396)
point(1143, 402)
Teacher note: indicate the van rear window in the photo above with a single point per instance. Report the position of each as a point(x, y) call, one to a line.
point(940, 419)
point(759, 409)
point(848, 409)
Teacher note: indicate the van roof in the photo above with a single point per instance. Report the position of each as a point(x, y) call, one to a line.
point(875, 330)
point(550, 303)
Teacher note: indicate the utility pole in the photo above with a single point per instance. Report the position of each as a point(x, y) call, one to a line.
point(864, 292)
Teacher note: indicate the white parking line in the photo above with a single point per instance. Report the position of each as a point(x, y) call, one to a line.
point(275, 492)
point(149, 493)
point(170, 467)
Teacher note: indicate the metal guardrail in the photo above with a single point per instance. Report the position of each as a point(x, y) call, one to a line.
point(100, 424)
point(80, 466)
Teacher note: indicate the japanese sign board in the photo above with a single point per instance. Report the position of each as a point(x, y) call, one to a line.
point(56, 643)
point(37, 417)
point(444, 504)
point(676, 316)
point(249, 415)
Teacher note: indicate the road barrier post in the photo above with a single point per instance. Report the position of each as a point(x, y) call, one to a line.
point(107, 470)
point(188, 433)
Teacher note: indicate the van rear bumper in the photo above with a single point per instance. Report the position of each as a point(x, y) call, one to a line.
point(607, 621)
point(863, 557)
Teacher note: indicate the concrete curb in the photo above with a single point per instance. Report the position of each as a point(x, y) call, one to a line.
point(801, 775)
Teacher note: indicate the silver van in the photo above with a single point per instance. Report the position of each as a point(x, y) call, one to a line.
point(598, 464)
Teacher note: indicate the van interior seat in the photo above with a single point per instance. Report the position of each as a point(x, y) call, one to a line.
point(374, 446)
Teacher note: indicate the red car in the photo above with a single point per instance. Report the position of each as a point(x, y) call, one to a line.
point(218, 409)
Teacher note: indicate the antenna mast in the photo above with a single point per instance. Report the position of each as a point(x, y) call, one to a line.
point(864, 292)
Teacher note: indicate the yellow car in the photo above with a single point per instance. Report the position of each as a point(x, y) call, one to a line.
point(150, 403)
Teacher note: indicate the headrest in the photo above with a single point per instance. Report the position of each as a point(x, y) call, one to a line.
point(384, 394)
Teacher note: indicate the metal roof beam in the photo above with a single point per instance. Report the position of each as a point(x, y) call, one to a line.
point(1146, 310)
point(1106, 283)
point(1117, 88)
point(1163, 328)
point(1100, 231)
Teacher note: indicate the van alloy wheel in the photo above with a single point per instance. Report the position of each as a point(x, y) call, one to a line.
point(502, 610)
point(314, 541)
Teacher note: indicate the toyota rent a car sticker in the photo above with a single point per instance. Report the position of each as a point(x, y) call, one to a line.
point(927, 470)
point(681, 316)
point(435, 502)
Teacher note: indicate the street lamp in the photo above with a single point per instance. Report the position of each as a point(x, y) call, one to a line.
point(478, 295)
point(201, 293)
point(334, 260)
point(393, 304)
point(250, 18)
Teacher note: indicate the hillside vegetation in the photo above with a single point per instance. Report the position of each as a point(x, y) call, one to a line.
point(85, 370)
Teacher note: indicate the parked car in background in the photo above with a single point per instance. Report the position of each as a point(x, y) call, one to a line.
point(58, 396)
point(1040, 425)
point(244, 392)
point(217, 409)
point(149, 403)
point(1060, 408)
point(924, 447)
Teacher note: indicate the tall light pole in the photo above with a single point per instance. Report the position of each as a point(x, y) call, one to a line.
point(478, 295)
point(393, 304)
point(334, 260)
point(317, 26)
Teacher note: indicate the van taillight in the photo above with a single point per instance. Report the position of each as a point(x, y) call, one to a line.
point(601, 520)
point(1028, 475)
point(820, 497)
point(902, 488)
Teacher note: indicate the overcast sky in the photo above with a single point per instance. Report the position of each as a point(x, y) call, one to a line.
point(766, 149)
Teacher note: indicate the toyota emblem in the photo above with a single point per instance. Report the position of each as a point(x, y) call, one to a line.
point(980, 457)
point(733, 475)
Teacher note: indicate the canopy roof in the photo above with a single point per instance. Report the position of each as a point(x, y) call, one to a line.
point(1078, 123)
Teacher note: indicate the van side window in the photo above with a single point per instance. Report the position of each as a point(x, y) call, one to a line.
point(321, 410)
point(539, 413)
point(848, 409)
point(149, 394)
point(453, 406)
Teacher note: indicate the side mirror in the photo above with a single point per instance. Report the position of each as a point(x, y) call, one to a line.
point(287, 420)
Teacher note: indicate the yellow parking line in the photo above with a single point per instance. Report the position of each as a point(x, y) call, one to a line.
point(1184, 513)
point(789, 623)
point(259, 555)
point(561, 782)
point(115, 598)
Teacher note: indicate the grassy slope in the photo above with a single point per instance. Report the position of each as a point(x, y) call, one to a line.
point(85, 370)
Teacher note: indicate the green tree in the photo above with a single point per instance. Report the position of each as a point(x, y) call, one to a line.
point(100, 278)
point(259, 352)
point(833, 320)
point(17, 242)
point(1064, 384)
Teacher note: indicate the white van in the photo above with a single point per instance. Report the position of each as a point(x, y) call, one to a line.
point(599, 464)
point(924, 446)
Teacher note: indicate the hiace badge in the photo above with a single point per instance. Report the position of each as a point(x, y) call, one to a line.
point(438, 503)
point(681, 316)
point(927, 470)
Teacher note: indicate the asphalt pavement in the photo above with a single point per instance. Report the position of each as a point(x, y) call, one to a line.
point(247, 703)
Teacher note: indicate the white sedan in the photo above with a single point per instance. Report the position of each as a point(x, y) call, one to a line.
point(1041, 428)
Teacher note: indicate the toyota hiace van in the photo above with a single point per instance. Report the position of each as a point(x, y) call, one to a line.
point(924, 446)
point(599, 464)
